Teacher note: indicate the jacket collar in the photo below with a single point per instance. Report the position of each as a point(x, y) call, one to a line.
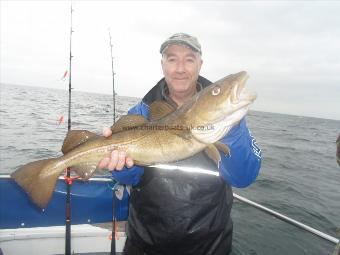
point(161, 91)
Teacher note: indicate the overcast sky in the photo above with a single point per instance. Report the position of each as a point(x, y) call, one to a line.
point(291, 49)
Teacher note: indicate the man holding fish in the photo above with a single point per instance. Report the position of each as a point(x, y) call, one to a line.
point(188, 212)
point(181, 148)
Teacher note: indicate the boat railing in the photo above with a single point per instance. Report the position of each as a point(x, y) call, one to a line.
point(287, 219)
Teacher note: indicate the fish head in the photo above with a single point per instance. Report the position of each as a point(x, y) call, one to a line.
point(219, 107)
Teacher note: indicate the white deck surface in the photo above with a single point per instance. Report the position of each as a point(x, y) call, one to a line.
point(51, 240)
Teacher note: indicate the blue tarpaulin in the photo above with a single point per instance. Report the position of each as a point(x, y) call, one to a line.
point(91, 202)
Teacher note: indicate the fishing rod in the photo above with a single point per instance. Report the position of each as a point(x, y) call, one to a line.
point(70, 77)
point(68, 175)
point(113, 84)
point(287, 219)
point(113, 234)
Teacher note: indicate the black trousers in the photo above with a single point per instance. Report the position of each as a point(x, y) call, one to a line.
point(131, 249)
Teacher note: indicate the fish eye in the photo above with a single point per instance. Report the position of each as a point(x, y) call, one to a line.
point(216, 91)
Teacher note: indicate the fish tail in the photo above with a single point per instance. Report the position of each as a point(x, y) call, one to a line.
point(38, 179)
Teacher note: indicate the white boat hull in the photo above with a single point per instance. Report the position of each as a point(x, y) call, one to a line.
point(51, 240)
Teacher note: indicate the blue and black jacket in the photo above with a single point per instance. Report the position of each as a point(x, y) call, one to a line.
point(174, 212)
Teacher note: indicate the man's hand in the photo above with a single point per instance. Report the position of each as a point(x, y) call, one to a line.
point(118, 159)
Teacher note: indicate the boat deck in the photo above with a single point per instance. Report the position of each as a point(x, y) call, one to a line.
point(86, 239)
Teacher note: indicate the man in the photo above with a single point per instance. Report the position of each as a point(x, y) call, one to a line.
point(173, 212)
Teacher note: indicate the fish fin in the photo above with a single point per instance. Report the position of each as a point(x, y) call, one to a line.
point(222, 147)
point(38, 179)
point(212, 152)
point(160, 109)
point(128, 121)
point(74, 138)
point(84, 170)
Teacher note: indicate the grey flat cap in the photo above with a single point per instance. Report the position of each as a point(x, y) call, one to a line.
point(184, 39)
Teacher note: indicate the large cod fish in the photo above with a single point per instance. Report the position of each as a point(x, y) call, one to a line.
point(169, 135)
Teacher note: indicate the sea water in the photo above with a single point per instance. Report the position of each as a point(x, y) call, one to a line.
point(299, 176)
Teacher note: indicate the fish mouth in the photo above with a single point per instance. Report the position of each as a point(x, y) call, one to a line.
point(246, 95)
point(239, 92)
point(240, 98)
point(220, 127)
point(242, 83)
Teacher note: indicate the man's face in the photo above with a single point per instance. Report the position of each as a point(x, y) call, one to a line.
point(181, 67)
